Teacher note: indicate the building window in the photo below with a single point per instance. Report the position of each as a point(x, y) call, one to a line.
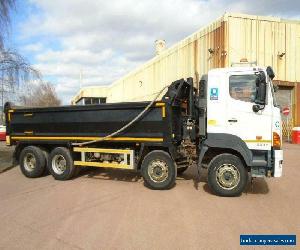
point(102, 100)
point(87, 101)
point(91, 100)
point(243, 87)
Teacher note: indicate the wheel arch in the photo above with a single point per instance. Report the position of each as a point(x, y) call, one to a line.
point(212, 152)
point(225, 143)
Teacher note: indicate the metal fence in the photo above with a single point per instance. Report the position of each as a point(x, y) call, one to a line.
point(287, 126)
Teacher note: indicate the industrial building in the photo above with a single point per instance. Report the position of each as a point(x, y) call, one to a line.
point(91, 95)
point(232, 40)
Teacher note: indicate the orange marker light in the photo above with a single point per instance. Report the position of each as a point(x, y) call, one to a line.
point(276, 141)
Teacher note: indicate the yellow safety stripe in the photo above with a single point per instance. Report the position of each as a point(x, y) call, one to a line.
point(28, 132)
point(163, 108)
point(108, 139)
point(85, 138)
point(7, 140)
point(163, 111)
point(101, 150)
point(9, 115)
point(253, 141)
point(101, 164)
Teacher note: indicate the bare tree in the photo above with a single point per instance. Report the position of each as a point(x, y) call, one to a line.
point(15, 73)
point(41, 95)
point(5, 7)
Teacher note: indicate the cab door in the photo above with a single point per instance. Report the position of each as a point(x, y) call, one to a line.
point(254, 128)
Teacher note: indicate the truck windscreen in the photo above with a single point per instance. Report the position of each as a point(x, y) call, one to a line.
point(243, 87)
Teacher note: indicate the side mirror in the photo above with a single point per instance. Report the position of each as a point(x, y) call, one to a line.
point(270, 72)
point(261, 89)
point(256, 108)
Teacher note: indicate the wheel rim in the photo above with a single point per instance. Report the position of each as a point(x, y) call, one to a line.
point(59, 164)
point(158, 171)
point(29, 162)
point(228, 176)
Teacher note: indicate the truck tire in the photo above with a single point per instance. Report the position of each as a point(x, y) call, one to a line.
point(61, 164)
point(181, 170)
point(159, 170)
point(227, 175)
point(46, 154)
point(32, 162)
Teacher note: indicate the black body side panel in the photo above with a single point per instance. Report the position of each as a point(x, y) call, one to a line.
point(95, 121)
point(159, 127)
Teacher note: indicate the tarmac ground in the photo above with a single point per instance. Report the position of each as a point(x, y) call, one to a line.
point(112, 209)
point(5, 156)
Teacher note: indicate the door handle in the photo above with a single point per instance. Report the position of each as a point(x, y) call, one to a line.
point(232, 120)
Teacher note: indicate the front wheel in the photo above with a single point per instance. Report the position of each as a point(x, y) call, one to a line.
point(159, 170)
point(227, 175)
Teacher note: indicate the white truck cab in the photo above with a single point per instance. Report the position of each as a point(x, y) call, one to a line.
point(242, 112)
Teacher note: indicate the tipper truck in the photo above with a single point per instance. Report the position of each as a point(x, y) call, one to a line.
point(230, 124)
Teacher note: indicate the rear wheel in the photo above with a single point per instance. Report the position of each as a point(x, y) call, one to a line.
point(158, 170)
point(32, 162)
point(46, 154)
point(61, 164)
point(227, 175)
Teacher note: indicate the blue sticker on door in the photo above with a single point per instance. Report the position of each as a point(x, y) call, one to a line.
point(214, 94)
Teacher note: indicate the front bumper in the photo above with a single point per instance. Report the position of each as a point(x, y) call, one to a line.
point(278, 160)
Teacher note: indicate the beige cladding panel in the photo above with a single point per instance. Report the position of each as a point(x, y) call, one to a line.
point(280, 48)
point(298, 53)
point(292, 52)
point(188, 58)
point(95, 92)
point(230, 38)
point(262, 41)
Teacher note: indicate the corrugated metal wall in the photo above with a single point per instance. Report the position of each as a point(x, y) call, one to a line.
point(232, 37)
point(263, 39)
point(189, 57)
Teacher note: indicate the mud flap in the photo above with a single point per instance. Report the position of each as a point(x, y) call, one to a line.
point(278, 155)
point(203, 150)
